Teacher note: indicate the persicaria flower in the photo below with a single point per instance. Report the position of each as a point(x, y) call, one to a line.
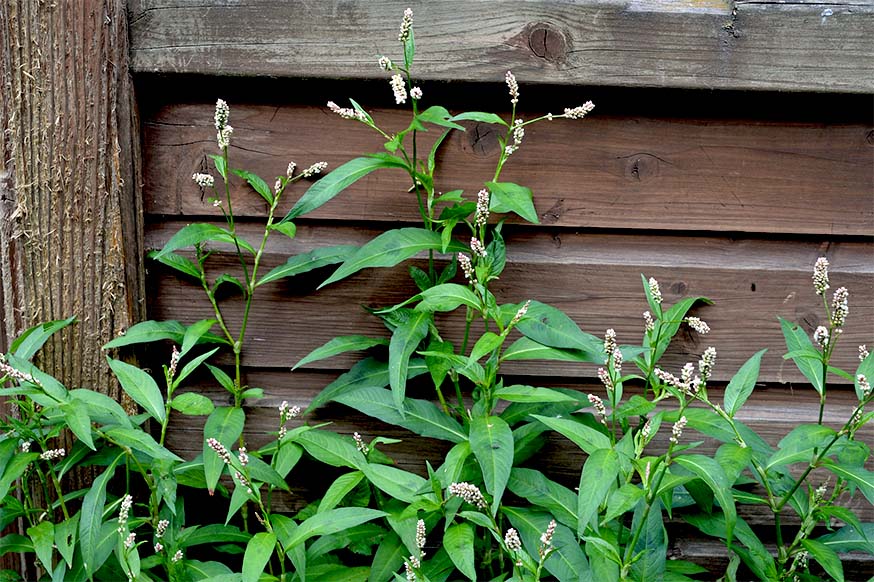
point(469, 493)
point(159, 547)
point(677, 430)
point(579, 112)
point(518, 135)
point(244, 456)
point(162, 528)
point(123, 512)
point(223, 137)
point(546, 538)
point(648, 323)
point(131, 538)
point(416, 93)
point(25, 446)
point(706, 363)
point(599, 406)
point(289, 172)
point(820, 276)
point(420, 534)
point(477, 247)
point(864, 385)
point(177, 556)
point(406, 25)
point(482, 208)
point(346, 112)
point(385, 64)
point(222, 114)
point(604, 376)
point(219, 449)
point(203, 180)
point(609, 341)
point(52, 454)
point(617, 360)
point(513, 86)
point(399, 88)
point(820, 336)
point(411, 575)
point(277, 185)
point(520, 313)
point(840, 308)
point(698, 325)
point(863, 352)
point(512, 541)
point(316, 168)
point(359, 443)
point(467, 268)
point(646, 430)
point(654, 290)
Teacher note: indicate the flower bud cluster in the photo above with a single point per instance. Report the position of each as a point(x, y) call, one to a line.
point(162, 528)
point(467, 268)
point(399, 88)
point(840, 307)
point(609, 342)
point(203, 180)
point(469, 493)
point(220, 450)
point(174, 362)
point(521, 313)
point(864, 385)
point(512, 541)
point(706, 363)
point(14, 373)
point(820, 276)
point(131, 538)
point(606, 380)
point(359, 443)
point(648, 323)
point(518, 135)
point(385, 64)
point(316, 168)
point(513, 86)
point(598, 404)
point(863, 352)
point(579, 112)
point(346, 112)
point(482, 208)
point(698, 325)
point(820, 336)
point(416, 93)
point(124, 511)
point(654, 290)
point(688, 382)
point(677, 430)
point(52, 454)
point(546, 537)
point(478, 248)
point(286, 413)
point(406, 25)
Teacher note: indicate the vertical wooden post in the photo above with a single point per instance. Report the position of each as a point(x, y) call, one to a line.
point(70, 204)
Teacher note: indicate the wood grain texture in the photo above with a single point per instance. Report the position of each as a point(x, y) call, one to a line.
point(711, 44)
point(604, 172)
point(595, 278)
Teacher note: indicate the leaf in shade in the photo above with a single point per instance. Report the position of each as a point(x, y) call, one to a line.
point(404, 341)
point(447, 297)
point(257, 183)
point(258, 552)
point(305, 262)
point(225, 424)
point(598, 477)
point(527, 349)
point(567, 562)
point(534, 487)
point(192, 404)
point(197, 233)
point(340, 345)
point(827, 558)
point(585, 437)
point(336, 181)
point(389, 249)
point(531, 394)
point(797, 341)
point(552, 327)
point(140, 387)
point(458, 543)
point(479, 116)
point(491, 441)
point(710, 471)
point(91, 521)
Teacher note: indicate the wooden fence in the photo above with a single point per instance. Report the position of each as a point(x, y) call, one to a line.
point(731, 145)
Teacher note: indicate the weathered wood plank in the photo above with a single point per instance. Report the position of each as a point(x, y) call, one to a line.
point(772, 412)
point(604, 172)
point(595, 278)
point(712, 44)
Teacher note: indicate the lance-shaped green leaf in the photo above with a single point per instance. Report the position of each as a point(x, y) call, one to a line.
point(331, 448)
point(866, 369)
point(177, 262)
point(258, 552)
point(742, 383)
point(404, 341)
point(340, 345)
point(458, 543)
point(826, 557)
point(338, 180)
point(447, 297)
point(652, 545)
point(329, 522)
point(225, 425)
point(851, 539)
point(534, 487)
point(479, 116)
point(389, 557)
point(585, 437)
point(439, 116)
point(78, 419)
point(367, 372)
point(420, 416)
point(140, 387)
point(520, 393)
point(396, 482)
point(797, 341)
point(510, 197)
point(92, 520)
point(491, 441)
point(198, 233)
point(192, 404)
point(153, 331)
point(800, 443)
point(389, 249)
point(341, 486)
point(598, 477)
point(43, 537)
point(670, 322)
point(305, 262)
point(552, 327)
point(862, 478)
point(139, 440)
point(28, 343)
point(709, 471)
point(527, 349)
point(257, 183)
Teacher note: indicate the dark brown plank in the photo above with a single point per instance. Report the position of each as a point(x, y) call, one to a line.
point(594, 278)
point(772, 412)
point(713, 44)
point(604, 172)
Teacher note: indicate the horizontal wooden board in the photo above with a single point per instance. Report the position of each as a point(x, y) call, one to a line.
point(595, 278)
point(711, 44)
point(604, 172)
point(771, 411)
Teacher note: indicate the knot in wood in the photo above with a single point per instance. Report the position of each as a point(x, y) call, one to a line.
point(640, 167)
point(481, 140)
point(547, 42)
point(679, 288)
point(869, 137)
